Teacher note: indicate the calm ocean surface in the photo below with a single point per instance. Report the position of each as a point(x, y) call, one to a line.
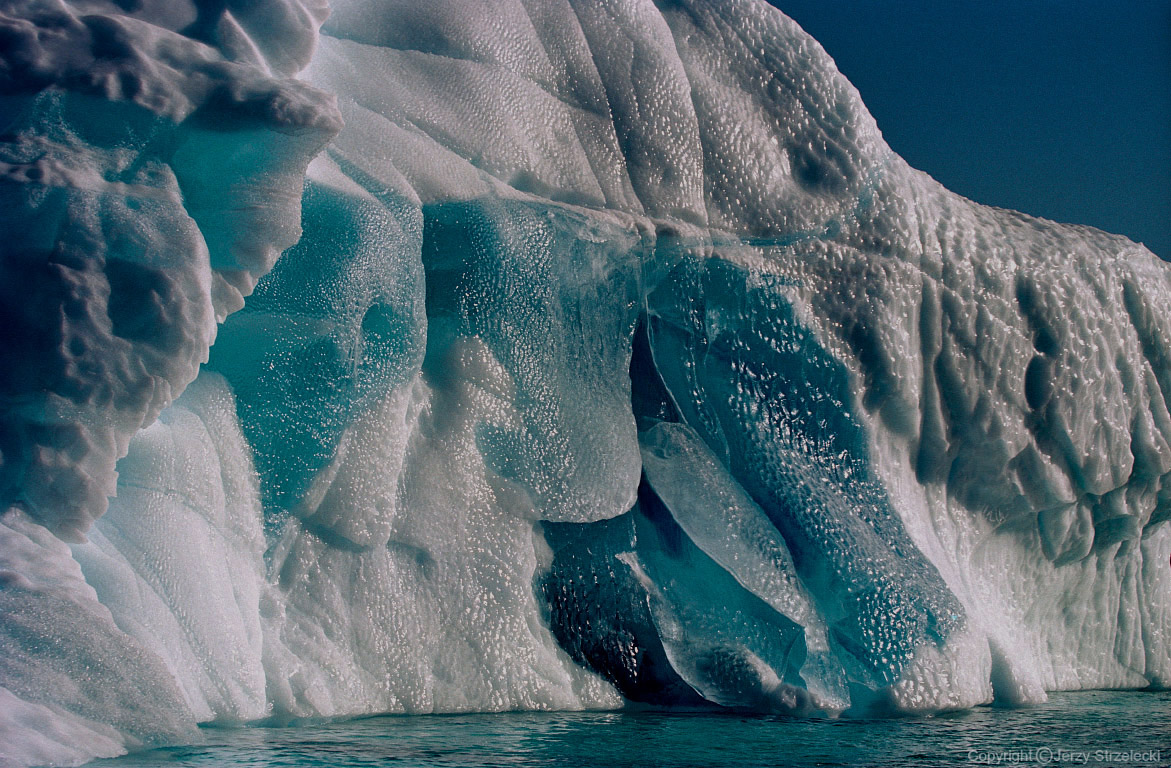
point(1090, 728)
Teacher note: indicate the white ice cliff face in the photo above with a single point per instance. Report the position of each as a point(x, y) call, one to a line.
point(620, 359)
point(151, 166)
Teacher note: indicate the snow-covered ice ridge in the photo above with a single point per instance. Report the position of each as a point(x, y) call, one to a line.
point(619, 360)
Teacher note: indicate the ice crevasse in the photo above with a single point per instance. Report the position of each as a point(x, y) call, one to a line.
point(610, 355)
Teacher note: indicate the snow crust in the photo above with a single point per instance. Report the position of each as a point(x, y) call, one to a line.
point(619, 360)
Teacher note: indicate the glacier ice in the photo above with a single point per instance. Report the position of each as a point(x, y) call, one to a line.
point(612, 356)
point(152, 161)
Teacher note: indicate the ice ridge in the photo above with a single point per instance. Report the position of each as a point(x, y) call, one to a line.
point(618, 359)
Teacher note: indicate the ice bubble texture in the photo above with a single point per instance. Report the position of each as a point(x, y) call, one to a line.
point(619, 360)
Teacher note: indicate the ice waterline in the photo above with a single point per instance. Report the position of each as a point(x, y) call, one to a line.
point(1068, 729)
point(614, 358)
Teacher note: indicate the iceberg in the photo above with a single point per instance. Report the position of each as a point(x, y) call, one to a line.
point(441, 357)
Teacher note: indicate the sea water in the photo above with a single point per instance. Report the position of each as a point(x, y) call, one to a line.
point(1096, 728)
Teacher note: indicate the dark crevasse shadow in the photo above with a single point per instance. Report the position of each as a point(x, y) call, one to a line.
point(760, 524)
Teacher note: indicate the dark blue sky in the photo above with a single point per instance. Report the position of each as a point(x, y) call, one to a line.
point(1059, 108)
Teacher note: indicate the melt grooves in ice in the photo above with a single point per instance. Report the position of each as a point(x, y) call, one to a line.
point(619, 360)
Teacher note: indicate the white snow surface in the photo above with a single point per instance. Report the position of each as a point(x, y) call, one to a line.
point(1010, 373)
